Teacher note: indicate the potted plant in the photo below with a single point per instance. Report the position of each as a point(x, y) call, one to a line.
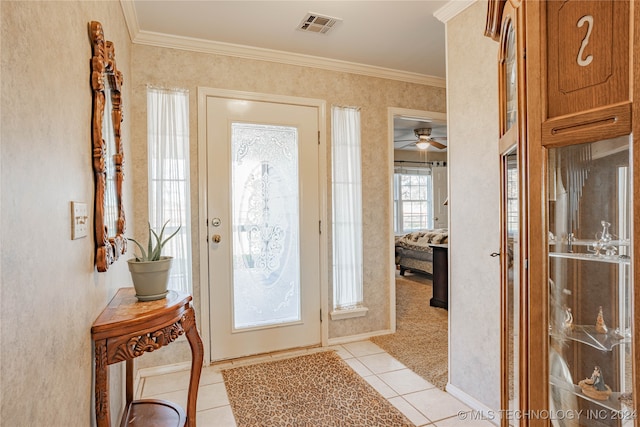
point(150, 270)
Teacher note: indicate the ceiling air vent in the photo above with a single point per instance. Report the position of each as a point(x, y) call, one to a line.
point(316, 23)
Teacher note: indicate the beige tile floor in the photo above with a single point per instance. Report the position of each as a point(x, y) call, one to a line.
point(419, 400)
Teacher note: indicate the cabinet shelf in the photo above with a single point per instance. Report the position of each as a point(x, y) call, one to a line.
point(587, 334)
point(613, 403)
point(591, 257)
point(583, 242)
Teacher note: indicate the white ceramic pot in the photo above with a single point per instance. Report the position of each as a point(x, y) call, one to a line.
point(150, 278)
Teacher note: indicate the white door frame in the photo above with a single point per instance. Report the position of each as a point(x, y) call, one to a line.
point(393, 112)
point(203, 93)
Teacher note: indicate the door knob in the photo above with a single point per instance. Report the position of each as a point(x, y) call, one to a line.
point(216, 238)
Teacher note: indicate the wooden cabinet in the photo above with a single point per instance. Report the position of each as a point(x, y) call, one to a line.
point(570, 309)
point(580, 327)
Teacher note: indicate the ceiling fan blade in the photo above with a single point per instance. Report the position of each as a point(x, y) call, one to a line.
point(437, 145)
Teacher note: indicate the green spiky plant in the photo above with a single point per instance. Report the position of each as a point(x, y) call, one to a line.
point(155, 244)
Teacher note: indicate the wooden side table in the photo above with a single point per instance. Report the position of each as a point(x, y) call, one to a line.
point(440, 276)
point(126, 329)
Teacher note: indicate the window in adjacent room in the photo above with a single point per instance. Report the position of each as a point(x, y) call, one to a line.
point(347, 213)
point(168, 158)
point(412, 199)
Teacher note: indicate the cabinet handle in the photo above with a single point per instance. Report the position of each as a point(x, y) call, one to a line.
point(494, 254)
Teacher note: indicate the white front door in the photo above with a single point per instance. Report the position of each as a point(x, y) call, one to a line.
point(263, 210)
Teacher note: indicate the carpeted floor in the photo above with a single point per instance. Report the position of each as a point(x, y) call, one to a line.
point(314, 390)
point(420, 341)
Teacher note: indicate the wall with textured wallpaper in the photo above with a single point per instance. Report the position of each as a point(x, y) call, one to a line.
point(474, 186)
point(190, 70)
point(51, 292)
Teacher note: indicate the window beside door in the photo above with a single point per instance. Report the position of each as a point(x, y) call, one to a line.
point(169, 188)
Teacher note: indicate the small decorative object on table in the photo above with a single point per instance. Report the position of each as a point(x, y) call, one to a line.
point(601, 327)
point(150, 270)
point(595, 387)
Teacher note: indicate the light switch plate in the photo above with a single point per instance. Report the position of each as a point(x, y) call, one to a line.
point(79, 220)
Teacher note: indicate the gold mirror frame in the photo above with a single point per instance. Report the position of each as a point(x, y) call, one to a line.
point(110, 244)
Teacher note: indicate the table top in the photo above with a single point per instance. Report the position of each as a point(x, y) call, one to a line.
point(125, 308)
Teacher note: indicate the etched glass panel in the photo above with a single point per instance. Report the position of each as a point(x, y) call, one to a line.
point(265, 224)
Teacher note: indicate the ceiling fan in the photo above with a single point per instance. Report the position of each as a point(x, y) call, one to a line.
point(425, 140)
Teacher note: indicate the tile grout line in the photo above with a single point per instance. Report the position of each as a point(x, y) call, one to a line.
point(341, 351)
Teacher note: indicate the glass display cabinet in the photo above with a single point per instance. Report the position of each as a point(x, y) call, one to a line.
point(590, 294)
point(569, 121)
point(511, 126)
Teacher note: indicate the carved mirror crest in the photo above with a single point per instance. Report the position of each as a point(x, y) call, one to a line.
point(108, 158)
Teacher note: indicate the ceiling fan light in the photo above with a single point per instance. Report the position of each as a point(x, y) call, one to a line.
point(422, 144)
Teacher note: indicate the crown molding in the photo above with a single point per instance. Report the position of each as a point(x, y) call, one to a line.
point(248, 52)
point(261, 54)
point(451, 9)
point(130, 18)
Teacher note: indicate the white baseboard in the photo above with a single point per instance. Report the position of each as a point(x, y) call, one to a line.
point(359, 337)
point(475, 405)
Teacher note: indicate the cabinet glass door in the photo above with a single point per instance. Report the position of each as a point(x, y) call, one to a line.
point(510, 283)
point(511, 219)
point(590, 284)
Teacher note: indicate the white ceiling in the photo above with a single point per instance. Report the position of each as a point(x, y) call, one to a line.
point(402, 36)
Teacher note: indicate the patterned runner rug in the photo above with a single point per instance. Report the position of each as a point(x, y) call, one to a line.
point(314, 390)
point(421, 339)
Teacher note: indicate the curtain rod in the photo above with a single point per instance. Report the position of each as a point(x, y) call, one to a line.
point(438, 163)
point(346, 106)
point(167, 89)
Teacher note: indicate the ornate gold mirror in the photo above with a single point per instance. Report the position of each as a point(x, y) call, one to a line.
point(108, 158)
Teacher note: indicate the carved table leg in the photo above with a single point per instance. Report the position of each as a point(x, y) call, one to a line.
point(129, 380)
point(197, 357)
point(103, 418)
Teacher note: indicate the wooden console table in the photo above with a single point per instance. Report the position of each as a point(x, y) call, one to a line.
point(440, 276)
point(126, 329)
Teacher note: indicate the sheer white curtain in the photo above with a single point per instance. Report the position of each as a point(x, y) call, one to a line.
point(168, 145)
point(347, 208)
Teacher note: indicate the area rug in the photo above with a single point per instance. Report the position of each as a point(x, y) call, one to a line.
point(420, 341)
point(314, 390)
